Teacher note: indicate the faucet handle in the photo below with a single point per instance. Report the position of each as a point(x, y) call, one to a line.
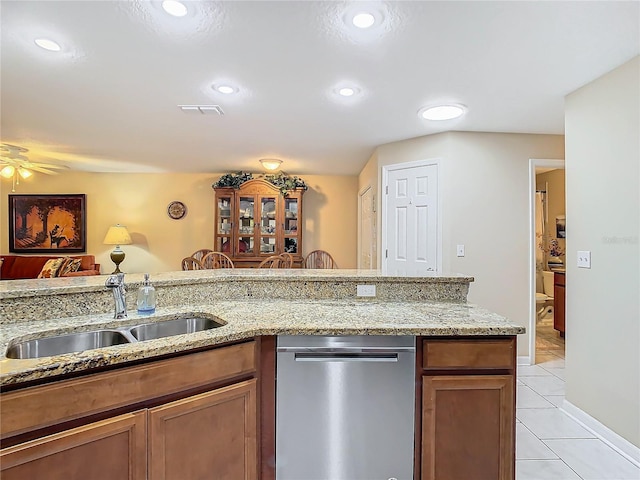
point(115, 280)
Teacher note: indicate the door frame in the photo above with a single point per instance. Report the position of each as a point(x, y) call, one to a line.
point(533, 164)
point(384, 231)
point(374, 212)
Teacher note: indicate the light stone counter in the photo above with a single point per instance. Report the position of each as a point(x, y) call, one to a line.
point(248, 303)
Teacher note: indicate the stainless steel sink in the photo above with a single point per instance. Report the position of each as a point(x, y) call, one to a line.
point(71, 342)
point(79, 342)
point(169, 328)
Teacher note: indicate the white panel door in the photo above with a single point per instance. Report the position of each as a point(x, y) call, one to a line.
point(411, 220)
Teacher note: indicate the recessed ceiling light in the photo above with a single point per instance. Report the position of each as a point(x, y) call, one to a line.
point(224, 89)
point(175, 8)
point(346, 91)
point(363, 20)
point(442, 112)
point(48, 44)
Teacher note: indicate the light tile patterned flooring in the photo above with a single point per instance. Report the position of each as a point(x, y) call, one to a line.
point(550, 445)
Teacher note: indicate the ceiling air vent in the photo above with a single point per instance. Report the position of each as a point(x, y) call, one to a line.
point(202, 109)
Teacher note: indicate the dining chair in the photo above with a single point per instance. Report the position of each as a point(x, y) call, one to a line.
point(286, 260)
point(191, 263)
point(319, 259)
point(216, 260)
point(273, 261)
point(199, 254)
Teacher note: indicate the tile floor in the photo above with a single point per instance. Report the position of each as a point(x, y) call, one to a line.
point(550, 445)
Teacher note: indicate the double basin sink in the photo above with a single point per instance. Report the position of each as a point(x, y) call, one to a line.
point(81, 341)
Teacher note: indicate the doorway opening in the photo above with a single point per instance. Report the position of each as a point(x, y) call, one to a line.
point(547, 260)
point(367, 229)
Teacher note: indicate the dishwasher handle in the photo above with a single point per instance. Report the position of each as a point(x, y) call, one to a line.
point(346, 357)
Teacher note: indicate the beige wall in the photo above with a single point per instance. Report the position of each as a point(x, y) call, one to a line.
point(484, 180)
point(139, 201)
point(603, 311)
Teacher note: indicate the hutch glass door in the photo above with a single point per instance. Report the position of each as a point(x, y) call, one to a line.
point(291, 225)
point(268, 214)
point(246, 226)
point(224, 225)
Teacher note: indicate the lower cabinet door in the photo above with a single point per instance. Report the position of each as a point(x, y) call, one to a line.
point(106, 450)
point(468, 427)
point(212, 435)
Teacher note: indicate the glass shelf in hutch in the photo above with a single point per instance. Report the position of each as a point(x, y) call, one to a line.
point(256, 221)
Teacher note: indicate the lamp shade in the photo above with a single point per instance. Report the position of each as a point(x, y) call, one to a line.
point(117, 235)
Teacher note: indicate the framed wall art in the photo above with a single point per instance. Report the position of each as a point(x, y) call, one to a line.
point(47, 223)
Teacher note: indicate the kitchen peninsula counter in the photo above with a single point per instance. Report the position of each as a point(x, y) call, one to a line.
point(185, 396)
point(248, 304)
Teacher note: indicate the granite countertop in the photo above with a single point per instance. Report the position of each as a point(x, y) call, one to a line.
point(56, 286)
point(244, 319)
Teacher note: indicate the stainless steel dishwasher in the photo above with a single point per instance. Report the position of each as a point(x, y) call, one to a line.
point(345, 407)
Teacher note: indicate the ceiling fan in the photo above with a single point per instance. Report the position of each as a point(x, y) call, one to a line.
point(15, 165)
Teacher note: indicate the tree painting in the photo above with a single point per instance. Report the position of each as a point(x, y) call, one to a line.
point(47, 223)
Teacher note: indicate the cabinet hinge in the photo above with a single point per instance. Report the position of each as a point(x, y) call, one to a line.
point(386, 253)
point(386, 189)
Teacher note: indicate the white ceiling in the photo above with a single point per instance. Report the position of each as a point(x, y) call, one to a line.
point(108, 101)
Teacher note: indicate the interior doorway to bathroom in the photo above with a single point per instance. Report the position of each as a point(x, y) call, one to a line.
point(548, 222)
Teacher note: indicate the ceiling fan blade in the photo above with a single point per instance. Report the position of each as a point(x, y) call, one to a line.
point(41, 170)
point(44, 165)
point(13, 150)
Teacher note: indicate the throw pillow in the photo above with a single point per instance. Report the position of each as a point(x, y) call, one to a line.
point(70, 265)
point(50, 269)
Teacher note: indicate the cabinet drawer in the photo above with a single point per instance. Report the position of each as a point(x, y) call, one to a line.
point(60, 401)
point(445, 354)
point(559, 279)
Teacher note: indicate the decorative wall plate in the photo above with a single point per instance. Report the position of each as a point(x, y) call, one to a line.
point(176, 210)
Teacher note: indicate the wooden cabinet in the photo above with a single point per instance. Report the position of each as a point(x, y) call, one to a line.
point(256, 221)
point(106, 450)
point(212, 435)
point(467, 409)
point(191, 417)
point(559, 302)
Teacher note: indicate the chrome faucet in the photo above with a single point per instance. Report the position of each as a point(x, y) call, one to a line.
point(116, 284)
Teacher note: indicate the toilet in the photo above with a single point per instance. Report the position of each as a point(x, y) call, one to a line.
point(544, 301)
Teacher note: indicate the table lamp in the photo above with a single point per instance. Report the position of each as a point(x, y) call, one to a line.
point(117, 235)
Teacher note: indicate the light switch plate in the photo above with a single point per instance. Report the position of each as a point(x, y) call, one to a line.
point(460, 250)
point(584, 259)
point(366, 291)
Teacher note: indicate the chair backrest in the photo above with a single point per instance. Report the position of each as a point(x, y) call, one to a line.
point(199, 254)
point(283, 260)
point(190, 263)
point(273, 261)
point(319, 259)
point(216, 260)
point(286, 260)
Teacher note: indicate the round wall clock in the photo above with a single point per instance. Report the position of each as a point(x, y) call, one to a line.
point(176, 210)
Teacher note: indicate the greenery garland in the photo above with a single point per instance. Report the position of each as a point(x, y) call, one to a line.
point(233, 180)
point(281, 180)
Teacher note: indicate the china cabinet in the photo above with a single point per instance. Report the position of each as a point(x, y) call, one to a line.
point(256, 221)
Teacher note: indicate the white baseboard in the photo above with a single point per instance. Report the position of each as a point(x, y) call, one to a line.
point(604, 433)
point(524, 360)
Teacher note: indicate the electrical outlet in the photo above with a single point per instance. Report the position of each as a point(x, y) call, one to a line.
point(460, 250)
point(584, 259)
point(366, 291)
